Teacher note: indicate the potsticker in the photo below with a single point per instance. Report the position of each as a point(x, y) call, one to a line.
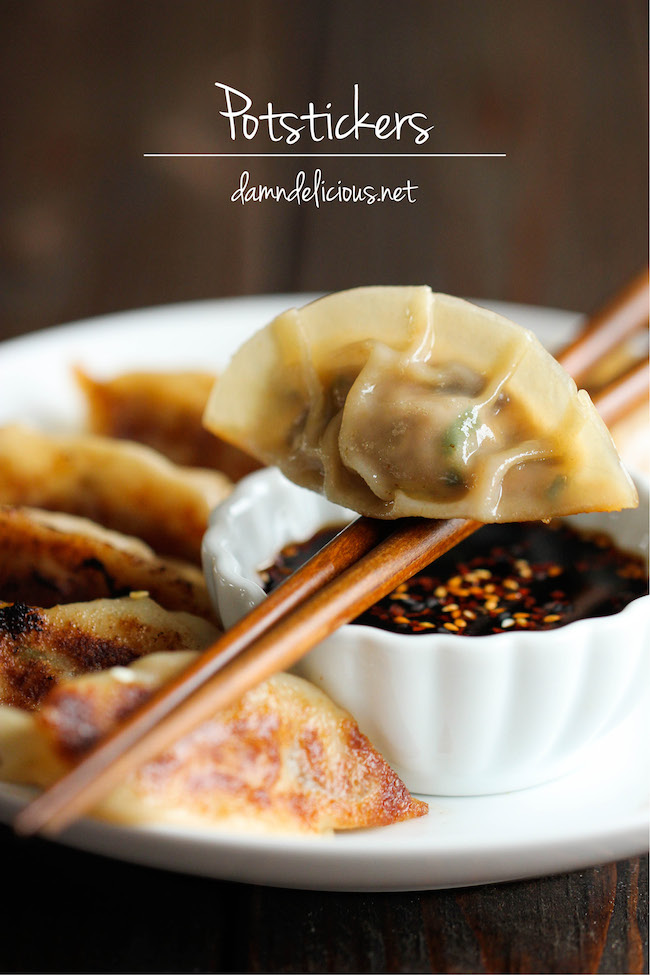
point(50, 557)
point(401, 402)
point(41, 647)
point(163, 410)
point(122, 485)
point(284, 758)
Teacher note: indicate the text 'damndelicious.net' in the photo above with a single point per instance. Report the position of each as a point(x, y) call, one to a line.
point(315, 190)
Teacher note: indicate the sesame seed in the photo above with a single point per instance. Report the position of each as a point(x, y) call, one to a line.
point(494, 588)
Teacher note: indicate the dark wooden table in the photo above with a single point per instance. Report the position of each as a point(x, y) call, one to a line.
point(67, 911)
point(90, 226)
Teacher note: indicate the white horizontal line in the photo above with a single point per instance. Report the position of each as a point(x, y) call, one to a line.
point(321, 155)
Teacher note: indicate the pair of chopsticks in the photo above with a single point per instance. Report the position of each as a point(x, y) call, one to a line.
point(363, 563)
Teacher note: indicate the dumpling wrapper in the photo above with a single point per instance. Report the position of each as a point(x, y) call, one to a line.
point(284, 758)
point(41, 647)
point(48, 557)
point(400, 402)
point(122, 485)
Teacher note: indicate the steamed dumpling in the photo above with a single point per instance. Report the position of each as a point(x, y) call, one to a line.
point(399, 402)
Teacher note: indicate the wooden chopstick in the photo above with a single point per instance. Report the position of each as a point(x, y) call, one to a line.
point(620, 317)
point(625, 393)
point(362, 564)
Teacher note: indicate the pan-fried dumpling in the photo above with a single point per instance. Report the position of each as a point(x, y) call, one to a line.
point(399, 402)
point(283, 758)
point(40, 647)
point(48, 557)
point(122, 485)
point(163, 410)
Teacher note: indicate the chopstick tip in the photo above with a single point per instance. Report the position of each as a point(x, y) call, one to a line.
point(33, 821)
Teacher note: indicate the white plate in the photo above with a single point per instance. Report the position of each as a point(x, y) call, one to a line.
point(597, 814)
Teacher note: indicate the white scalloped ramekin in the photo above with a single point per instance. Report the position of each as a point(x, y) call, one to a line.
point(453, 715)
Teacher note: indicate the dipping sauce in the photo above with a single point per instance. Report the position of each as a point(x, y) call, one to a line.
point(503, 577)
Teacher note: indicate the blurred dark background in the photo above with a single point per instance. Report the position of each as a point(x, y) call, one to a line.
point(88, 86)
